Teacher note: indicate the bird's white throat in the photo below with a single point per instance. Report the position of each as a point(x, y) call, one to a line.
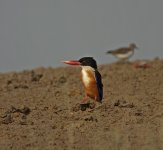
point(85, 77)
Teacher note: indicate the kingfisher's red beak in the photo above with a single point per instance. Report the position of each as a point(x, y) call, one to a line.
point(72, 62)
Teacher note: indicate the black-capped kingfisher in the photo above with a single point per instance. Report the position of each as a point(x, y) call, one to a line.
point(91, 78)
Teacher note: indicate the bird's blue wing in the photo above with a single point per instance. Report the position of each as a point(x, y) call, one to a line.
point(99, 85)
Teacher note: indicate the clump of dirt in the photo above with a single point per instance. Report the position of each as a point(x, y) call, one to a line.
point(8, 115)
point(40, 109)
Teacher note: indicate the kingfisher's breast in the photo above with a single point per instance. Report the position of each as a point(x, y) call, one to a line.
point(89, 82)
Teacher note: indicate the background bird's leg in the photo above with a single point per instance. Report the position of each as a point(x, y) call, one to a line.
point(126, 60)
point(123, 60)
point(120, 61)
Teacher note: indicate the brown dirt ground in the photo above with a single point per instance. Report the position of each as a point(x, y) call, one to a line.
point(38, 109)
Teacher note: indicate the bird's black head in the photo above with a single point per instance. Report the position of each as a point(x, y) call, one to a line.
point(88, 61)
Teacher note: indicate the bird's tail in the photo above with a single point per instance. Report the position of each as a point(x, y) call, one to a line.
point(109, 52)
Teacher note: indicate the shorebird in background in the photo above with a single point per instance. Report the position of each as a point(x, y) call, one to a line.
point(91, 79)
point(123, 53)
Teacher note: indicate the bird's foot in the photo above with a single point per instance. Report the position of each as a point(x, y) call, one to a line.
point(92, 105)
point(84, 106)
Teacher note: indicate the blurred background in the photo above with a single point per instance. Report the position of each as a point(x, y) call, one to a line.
point(36, 33)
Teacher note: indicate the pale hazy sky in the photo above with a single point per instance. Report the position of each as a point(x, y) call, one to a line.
point(36, 33)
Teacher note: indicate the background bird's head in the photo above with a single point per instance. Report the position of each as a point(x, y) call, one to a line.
point(133, 46)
